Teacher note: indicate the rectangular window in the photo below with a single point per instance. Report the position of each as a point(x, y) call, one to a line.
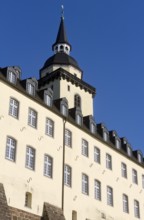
point(30, 158)
point(31, 89)
point(109, 196)
point(48, 100)
point(134, 176)
point(11, 149)
point(125, 203)
point(84, 148)
point(67, 175)
point(14, 108)
point(136, 209)
point(108, 161)
point(32, 118)
point(96, 155)
point(49, 127)
point(68, 138)
point(85, 184)
point(12, 77)
point(79, 119)
point(124, 170)
point(48, 166)
point(97, 189)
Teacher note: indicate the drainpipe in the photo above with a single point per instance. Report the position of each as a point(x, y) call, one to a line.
point(63, 163)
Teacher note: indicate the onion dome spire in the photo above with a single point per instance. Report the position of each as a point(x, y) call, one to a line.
point(61, 45)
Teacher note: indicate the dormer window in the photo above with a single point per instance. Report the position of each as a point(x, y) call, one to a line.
point(117, 143)
point(64, 107)
point(105, 135)
point(77, 101)
point(129, 151)
point(48, 97)
point(12, 77)
point(139, 157)
point(31, 86)
point(79, 119)
point(92, 127)
point(31, 89)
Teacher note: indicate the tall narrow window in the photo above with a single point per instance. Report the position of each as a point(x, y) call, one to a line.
point(108, 161)
point(109, 196)
point(31, 89)
point(28, 199)
point(84, 148)
point(136, 209)
point(30, 158)
point(77, 101)
point(11, 149)
point(68, 138)
point(48, 166)
point(97, 189)
point(134, 176)
point(12, 77)
point(125, 203)
point(14, 108)
point(32, 118)
point(79, 119)
point(85, 184)
point(49, 127)
point(67, 175)
point(96, 155)
point(48, 100)
point(124, 170)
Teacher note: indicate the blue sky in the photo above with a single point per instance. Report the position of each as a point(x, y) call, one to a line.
point(107, 38)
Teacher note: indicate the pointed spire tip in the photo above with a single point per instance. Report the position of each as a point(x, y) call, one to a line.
point(62, 11)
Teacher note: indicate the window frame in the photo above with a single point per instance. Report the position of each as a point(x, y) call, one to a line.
point(110, 201)
point(48, 166)
point(108, 161)
point(14, 107)
point(85, 184)
point(32, 117)
point(97, 155)
point(136, 208)
point(28, 200)
point(10, 153)
point(49, 127)
point(134, 176)
point(85, 148)
point(124, 170)
point(12, 77)
point(30, 157)
point(125, 203)
point(68, 138)
point(67, 175)
point(97, 189)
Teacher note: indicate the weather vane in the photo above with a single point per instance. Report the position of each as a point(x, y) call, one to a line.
point(62, 11)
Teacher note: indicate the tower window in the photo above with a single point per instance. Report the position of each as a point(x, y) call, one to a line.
point(28, 199)
point(68, 88)
point(77, 101)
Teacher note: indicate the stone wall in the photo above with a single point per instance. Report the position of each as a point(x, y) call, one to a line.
point(4, 209)
point(17, 214)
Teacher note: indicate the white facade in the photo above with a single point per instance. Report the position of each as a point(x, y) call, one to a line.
point(100, 180)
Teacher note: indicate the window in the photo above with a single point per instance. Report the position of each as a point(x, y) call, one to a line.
point(84, 148)
point(108, 161)
point(12, 77)
point(28, 199)
point(85, 184)
point(118, 145)
point(125, 203)
point(96, 155)
point(79, 119)
point(68, 138)
point(139, 157)
point(124, 170)
point(129, 151)
point(105, 135)
point(134, 176)
point(74, 215)
point(32, 118)
point(48, 166)
point(92, 128)
point(48, 100)
point(31, 89)
point(67, 175)
point(136, 209)
point(97, 189)
point(14, 108)
point(143, 181)
point(49, 127)
point(11, 149)
point(77, 101)
point(30, 158)
point(109, 196)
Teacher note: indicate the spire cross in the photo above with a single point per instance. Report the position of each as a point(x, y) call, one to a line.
point(62, 11)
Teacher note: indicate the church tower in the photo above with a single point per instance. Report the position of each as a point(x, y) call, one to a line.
point(62, 74)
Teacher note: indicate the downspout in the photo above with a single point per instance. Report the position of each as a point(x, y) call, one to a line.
point(63, 163)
